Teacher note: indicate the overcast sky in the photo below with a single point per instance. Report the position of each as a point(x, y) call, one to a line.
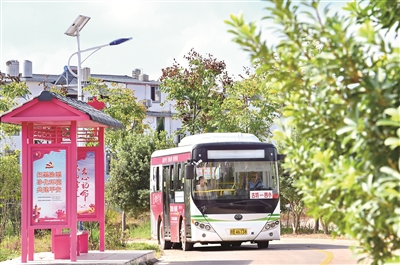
point(161, 31)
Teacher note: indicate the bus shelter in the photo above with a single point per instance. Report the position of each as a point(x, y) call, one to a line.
point(62, 162)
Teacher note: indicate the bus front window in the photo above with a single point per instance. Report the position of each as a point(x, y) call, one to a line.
point(234, 179)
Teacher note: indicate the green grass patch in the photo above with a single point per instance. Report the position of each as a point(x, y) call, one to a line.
point(140, 229)
point(10, 247)
point(144, 246)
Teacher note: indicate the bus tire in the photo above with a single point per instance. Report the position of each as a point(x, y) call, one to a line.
point(186, 246)
point(164, 244)
point(263, 244)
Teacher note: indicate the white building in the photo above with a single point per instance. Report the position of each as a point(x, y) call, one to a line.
point(147, 91)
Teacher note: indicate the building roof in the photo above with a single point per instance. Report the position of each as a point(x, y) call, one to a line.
point(66, 78)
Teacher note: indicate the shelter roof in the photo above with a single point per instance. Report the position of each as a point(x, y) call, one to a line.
point(52, 109)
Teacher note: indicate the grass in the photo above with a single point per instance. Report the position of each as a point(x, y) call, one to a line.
point(10, 247)
point(139, 228)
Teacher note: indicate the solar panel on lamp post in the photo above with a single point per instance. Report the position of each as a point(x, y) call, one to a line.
point(73, 31)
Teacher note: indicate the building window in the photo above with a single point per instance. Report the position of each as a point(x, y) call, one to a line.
point(155, 94)
point(160, 124)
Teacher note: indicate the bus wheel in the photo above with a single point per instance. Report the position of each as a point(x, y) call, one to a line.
point(186, 246)
point(263, 244)
point(164, 244)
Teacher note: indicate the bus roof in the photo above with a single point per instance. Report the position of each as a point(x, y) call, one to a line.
point(217, 138)
point(186, 143)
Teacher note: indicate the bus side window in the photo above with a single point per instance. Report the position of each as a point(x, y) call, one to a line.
point(171, 178)
point(178, 177)
point(158, 178)
point(165, 176)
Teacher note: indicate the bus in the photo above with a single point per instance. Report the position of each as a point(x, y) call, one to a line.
point(200, 192)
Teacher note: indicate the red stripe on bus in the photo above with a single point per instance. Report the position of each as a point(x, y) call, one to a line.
point(170, 159)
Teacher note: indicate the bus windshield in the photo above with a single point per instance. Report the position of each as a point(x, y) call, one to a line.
point(236, 180)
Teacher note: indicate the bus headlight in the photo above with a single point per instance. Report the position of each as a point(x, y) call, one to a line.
point(270, 225)
point(203, 226)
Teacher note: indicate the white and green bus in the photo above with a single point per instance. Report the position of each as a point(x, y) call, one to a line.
point(225, 207)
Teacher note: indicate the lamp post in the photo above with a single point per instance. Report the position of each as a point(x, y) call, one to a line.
point(73, 31)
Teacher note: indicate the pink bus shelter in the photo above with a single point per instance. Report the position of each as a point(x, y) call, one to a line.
point(62, 171)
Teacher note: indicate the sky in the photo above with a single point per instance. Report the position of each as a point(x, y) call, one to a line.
point(161, 31)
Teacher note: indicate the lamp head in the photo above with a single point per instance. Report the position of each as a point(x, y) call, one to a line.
point(119, 41)
point(76, 27)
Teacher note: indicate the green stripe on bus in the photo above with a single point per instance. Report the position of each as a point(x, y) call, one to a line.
point(201, 218)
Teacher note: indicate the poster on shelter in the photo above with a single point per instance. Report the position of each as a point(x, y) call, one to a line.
point(86, 183)
point(49, 187)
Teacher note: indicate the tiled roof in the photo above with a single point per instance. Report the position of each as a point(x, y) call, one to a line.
point(94, 114)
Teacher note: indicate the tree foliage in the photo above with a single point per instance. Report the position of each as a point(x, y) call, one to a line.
point(209, 100)
point(128, 187)
point(248, 107)
point(10, 92)
point(198, 90)
point(338, 79)
point(10, 195)
point(122, 105)
point(10, 173)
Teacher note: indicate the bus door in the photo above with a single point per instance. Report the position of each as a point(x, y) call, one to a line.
point(166, 199)
point(177, 206)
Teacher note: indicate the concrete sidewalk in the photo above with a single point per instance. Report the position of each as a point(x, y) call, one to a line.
point(116, 257)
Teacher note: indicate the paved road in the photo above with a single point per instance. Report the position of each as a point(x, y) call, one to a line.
point(294, 251)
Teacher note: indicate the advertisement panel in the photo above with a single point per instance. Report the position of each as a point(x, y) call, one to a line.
point(86, 183)
point(49, 186)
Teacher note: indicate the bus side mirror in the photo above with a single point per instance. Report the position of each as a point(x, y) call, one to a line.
point(281, 157)
point(189, 170)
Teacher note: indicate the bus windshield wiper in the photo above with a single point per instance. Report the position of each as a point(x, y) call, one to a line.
point(204, 207)
point(231, 203)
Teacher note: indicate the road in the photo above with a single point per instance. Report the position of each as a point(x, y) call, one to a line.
point(293, 251)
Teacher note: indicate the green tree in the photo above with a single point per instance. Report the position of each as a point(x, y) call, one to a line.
point(10, 195)
point(289, 193)
point(127, 159)
point(198, 90)
point(128, 187)
point(11, 89)
point(247, 107)
point(122, 105)
point(338, 80)
point(208, 100)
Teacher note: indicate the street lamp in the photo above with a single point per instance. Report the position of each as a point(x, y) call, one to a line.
point(73, 31)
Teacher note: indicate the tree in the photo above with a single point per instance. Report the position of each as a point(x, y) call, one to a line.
point(122, 105)
point(10, 92)
point(10, 173)
point(10, 195)
point(289, 193)
point(338, 80)
point(247, 107)
point(198, 90)
point(126, 159)
point(128, 187)
point(208, 100)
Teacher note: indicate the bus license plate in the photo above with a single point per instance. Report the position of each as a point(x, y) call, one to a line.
point(239, 231)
